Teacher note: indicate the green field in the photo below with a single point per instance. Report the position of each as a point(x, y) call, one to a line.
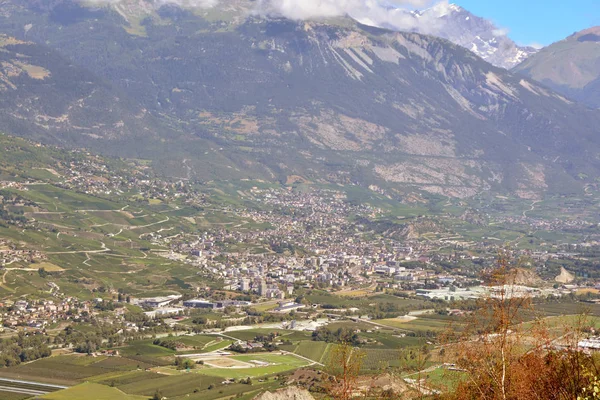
point(171, 386)
point(443, 379)
point(431, 323)
point(217, 346)
point(281, 363)
point(379, 359)
point(312, 350)
point(91, 391)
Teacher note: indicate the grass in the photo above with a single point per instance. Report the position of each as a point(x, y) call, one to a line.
point(282, 363)
point(312, 350)
point(378, 359)
point(443, 379)
point(421, 324)
point(49, 267)
point(91, 391)
point(171, 386)
point(567, 308)
point(273, 358)
point(72, 369)
point(53, 370)
point(198, 341)
point(354, 293)
point(217, 346)
point(147, 349)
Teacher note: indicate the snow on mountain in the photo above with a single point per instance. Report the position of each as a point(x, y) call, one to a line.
point(477, 34)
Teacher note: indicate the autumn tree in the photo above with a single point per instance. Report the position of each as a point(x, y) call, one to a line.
point(344, 366)
point(504, 358)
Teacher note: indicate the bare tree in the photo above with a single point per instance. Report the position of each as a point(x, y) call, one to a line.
point(344, 367)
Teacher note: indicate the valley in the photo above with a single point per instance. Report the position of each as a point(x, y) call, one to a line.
point(270, 200)
point(100, 256)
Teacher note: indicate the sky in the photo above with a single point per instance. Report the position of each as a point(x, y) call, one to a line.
point(539, 22)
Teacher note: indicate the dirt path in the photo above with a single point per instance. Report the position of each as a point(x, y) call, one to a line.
point(532, 207)
point(104, 250)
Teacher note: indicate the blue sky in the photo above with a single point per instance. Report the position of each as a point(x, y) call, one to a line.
point(537, 21)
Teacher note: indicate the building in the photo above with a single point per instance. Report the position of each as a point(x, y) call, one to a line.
point(199, 303)
point(163, 312)
point(245, 285)
point(262, 288)
point(159, 302)
point(592, 343)
point(287, 307)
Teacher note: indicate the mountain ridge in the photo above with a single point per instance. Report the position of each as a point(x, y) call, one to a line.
point(570, 66)
point(341, 103)
point(479, 35)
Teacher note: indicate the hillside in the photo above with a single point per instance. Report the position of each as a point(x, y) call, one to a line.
point(571, 67)
point(398, 111)
point(75, 224)
point(53, 100)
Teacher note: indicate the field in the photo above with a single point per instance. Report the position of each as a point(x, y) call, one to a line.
point(567, 308)
point(265, 364)
point(13, 396)
point(423, 324)
point(316, 351)
point(85, 390)
point(442, 379)
point(380, 359)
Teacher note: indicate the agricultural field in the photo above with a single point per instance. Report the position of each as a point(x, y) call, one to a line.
point(423, 324)
point(4, 395)
point(316, 351)
point(85, 390)
point(254, 365)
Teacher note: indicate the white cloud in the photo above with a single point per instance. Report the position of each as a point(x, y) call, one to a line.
point(388, 14)
point(535, 45)
point(500, 32)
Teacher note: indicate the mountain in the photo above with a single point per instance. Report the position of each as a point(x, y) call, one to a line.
point(571, 67)
point(477, 34)
point(231, 97)
point(46, 95)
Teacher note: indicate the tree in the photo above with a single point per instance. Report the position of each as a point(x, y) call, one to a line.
point(184, 363)
point(505, 359)
point(157, 395)
point(344, 368)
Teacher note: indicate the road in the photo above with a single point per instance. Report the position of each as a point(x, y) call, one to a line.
point(366, 321)
point(312, 362)
point(22, 391)
point(37, 388)
point(48, 385)
point(532, 207)
point(104, 250)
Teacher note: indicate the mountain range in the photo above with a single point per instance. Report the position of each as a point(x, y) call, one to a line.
point(477, 34)
point(217, 94)
point(571, 66)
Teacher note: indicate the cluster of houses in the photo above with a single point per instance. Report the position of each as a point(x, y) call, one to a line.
point(9, 254)
point(38, 314)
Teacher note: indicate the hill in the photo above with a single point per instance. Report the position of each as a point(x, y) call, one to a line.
point(571, 67)
point(231, 95)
